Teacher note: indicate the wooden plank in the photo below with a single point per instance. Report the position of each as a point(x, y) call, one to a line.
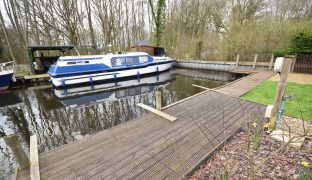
point(37, 76)
point(202, 87)
point(34, 160)
point(159, 113)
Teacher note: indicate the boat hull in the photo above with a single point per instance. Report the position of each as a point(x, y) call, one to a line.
point(91, 78)
point(5, 79)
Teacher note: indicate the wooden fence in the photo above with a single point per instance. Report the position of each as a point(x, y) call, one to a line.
point(303, 64)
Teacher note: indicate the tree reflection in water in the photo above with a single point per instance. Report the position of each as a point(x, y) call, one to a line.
point(58, 121)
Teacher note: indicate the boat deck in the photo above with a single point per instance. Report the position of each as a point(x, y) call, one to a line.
point(151, 147)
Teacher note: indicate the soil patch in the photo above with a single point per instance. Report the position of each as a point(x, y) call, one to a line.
point(232, 161)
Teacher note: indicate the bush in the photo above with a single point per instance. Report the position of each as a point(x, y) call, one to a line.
point(301, 43)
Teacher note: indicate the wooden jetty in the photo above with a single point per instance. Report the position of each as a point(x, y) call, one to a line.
point(151, 147)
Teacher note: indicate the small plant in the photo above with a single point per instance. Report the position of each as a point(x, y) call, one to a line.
point(305, 173)
point(256, 140)
point(222, 174)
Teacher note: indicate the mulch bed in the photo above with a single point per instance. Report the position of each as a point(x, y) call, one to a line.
point(232, 160)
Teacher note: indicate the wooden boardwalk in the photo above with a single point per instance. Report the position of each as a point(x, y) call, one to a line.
point(242, 86)
point(151, 147)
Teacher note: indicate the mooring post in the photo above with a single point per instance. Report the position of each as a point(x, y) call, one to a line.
point(271, 62)
point(255, 61)
point(158, 100)
point(287, 62)
point(237, 60)
point(16, 147)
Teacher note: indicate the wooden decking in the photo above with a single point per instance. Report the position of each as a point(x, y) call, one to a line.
point(151, 147)
point(242, 86)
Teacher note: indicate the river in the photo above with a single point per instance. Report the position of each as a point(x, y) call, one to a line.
point(59, 116)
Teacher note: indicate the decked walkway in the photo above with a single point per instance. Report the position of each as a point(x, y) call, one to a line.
point(242, 86)
point(151, 147)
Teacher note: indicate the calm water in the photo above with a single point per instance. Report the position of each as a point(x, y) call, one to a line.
point(59, 117)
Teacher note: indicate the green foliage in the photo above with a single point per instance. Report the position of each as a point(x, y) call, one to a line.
point(265, 94)
point(301, 43)
point(256, 140)
point(222, 174)
point(159, 18)
point(305, 174)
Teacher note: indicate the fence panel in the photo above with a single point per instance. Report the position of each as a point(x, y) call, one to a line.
point(303, 64)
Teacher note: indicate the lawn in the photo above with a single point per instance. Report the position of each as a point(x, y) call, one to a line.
point(301, 93)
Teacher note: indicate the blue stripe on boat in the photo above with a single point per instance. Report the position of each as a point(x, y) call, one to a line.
point(5, 80)
point(59, 70)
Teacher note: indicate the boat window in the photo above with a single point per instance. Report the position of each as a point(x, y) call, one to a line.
point(143, 59)
point(132, 61)
point(121, 61)
point(71, 62)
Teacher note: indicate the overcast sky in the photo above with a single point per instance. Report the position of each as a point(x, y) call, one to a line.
point(2, 10)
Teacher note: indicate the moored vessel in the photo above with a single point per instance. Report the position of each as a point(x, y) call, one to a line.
point(71, 70)
point(6, 74)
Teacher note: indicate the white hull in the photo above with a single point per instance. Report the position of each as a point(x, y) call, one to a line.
point(57, 82)
point(85, 90)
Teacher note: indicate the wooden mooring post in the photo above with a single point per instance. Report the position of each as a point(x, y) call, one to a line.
point(16, 147)
point(237, 60)
point(286, 67)
point(255, 61)
point(271, 62)
point(158, 100)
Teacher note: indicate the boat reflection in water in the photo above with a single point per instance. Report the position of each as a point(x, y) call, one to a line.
point(59, 117)
point(91, 94)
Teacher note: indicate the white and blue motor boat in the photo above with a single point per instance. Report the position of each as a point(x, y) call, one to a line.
point(6, 74)
point(71, 70)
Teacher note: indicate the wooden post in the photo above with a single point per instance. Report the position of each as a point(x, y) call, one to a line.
point(158, 100)
point(237, 60)
point(280, 89)
point(34, 159)
point(271, 62)
point(16, 147)
point(255, 60)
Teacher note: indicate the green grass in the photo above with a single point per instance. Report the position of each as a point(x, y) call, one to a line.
point(301, 93)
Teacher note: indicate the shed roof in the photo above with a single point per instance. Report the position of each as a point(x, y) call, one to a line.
point(50, 47)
